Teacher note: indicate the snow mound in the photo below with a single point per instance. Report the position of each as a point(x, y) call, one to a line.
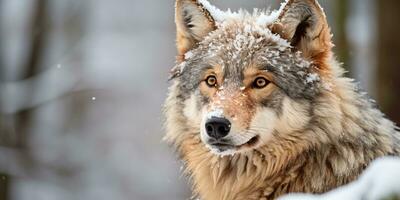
point(380, 181)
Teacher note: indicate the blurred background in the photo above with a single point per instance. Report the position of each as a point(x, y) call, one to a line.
point(82, 85)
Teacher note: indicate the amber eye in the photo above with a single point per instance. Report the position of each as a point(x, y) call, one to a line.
point(260, 83)
point(211, 81)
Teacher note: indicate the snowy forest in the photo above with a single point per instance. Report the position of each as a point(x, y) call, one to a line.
point(82, 85)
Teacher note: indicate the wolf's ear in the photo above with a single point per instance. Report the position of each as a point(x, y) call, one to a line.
point(193, 23)
point(303, 23)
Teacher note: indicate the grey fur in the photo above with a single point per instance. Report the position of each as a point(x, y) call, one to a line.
point(288, 66)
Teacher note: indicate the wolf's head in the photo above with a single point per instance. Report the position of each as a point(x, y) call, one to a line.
point(242, 79)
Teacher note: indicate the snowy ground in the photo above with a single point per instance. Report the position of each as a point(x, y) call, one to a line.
point(380, 181)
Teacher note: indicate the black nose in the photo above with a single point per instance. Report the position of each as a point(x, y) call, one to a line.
point(218, 127)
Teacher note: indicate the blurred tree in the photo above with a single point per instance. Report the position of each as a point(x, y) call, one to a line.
point(3, 187)
point(340, 37)
point(389, 58)
point(3, 177)
point(37, 33)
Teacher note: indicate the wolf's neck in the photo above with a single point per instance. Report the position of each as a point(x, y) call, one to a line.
point(255, 174)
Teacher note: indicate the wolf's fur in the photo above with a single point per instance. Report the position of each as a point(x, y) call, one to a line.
point(309, 130)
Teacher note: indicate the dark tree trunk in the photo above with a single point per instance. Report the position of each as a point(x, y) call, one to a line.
point(38, 35)
point(341, 41)
point(3, 178)
point(37, 32)
point(3, 187)
point(389, 58)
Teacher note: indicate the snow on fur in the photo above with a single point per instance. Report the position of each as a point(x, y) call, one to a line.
point(263, 18)
point(253, 31)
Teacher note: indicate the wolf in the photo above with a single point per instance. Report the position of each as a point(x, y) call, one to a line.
point(260, 107)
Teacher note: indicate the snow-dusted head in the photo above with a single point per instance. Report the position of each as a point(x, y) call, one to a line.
point(246, 79)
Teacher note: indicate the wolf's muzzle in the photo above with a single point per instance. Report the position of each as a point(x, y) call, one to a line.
point(218, 128)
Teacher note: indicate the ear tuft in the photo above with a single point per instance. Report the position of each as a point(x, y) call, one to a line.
point(303, 23)
point(193, 23)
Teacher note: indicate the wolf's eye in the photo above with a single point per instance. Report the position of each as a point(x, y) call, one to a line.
point(260, 83)
point(211, 81)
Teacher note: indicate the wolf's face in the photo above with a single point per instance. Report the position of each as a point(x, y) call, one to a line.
point(242, 82)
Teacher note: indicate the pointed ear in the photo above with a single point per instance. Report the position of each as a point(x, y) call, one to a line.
point(303, 23)
point(193, 23)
